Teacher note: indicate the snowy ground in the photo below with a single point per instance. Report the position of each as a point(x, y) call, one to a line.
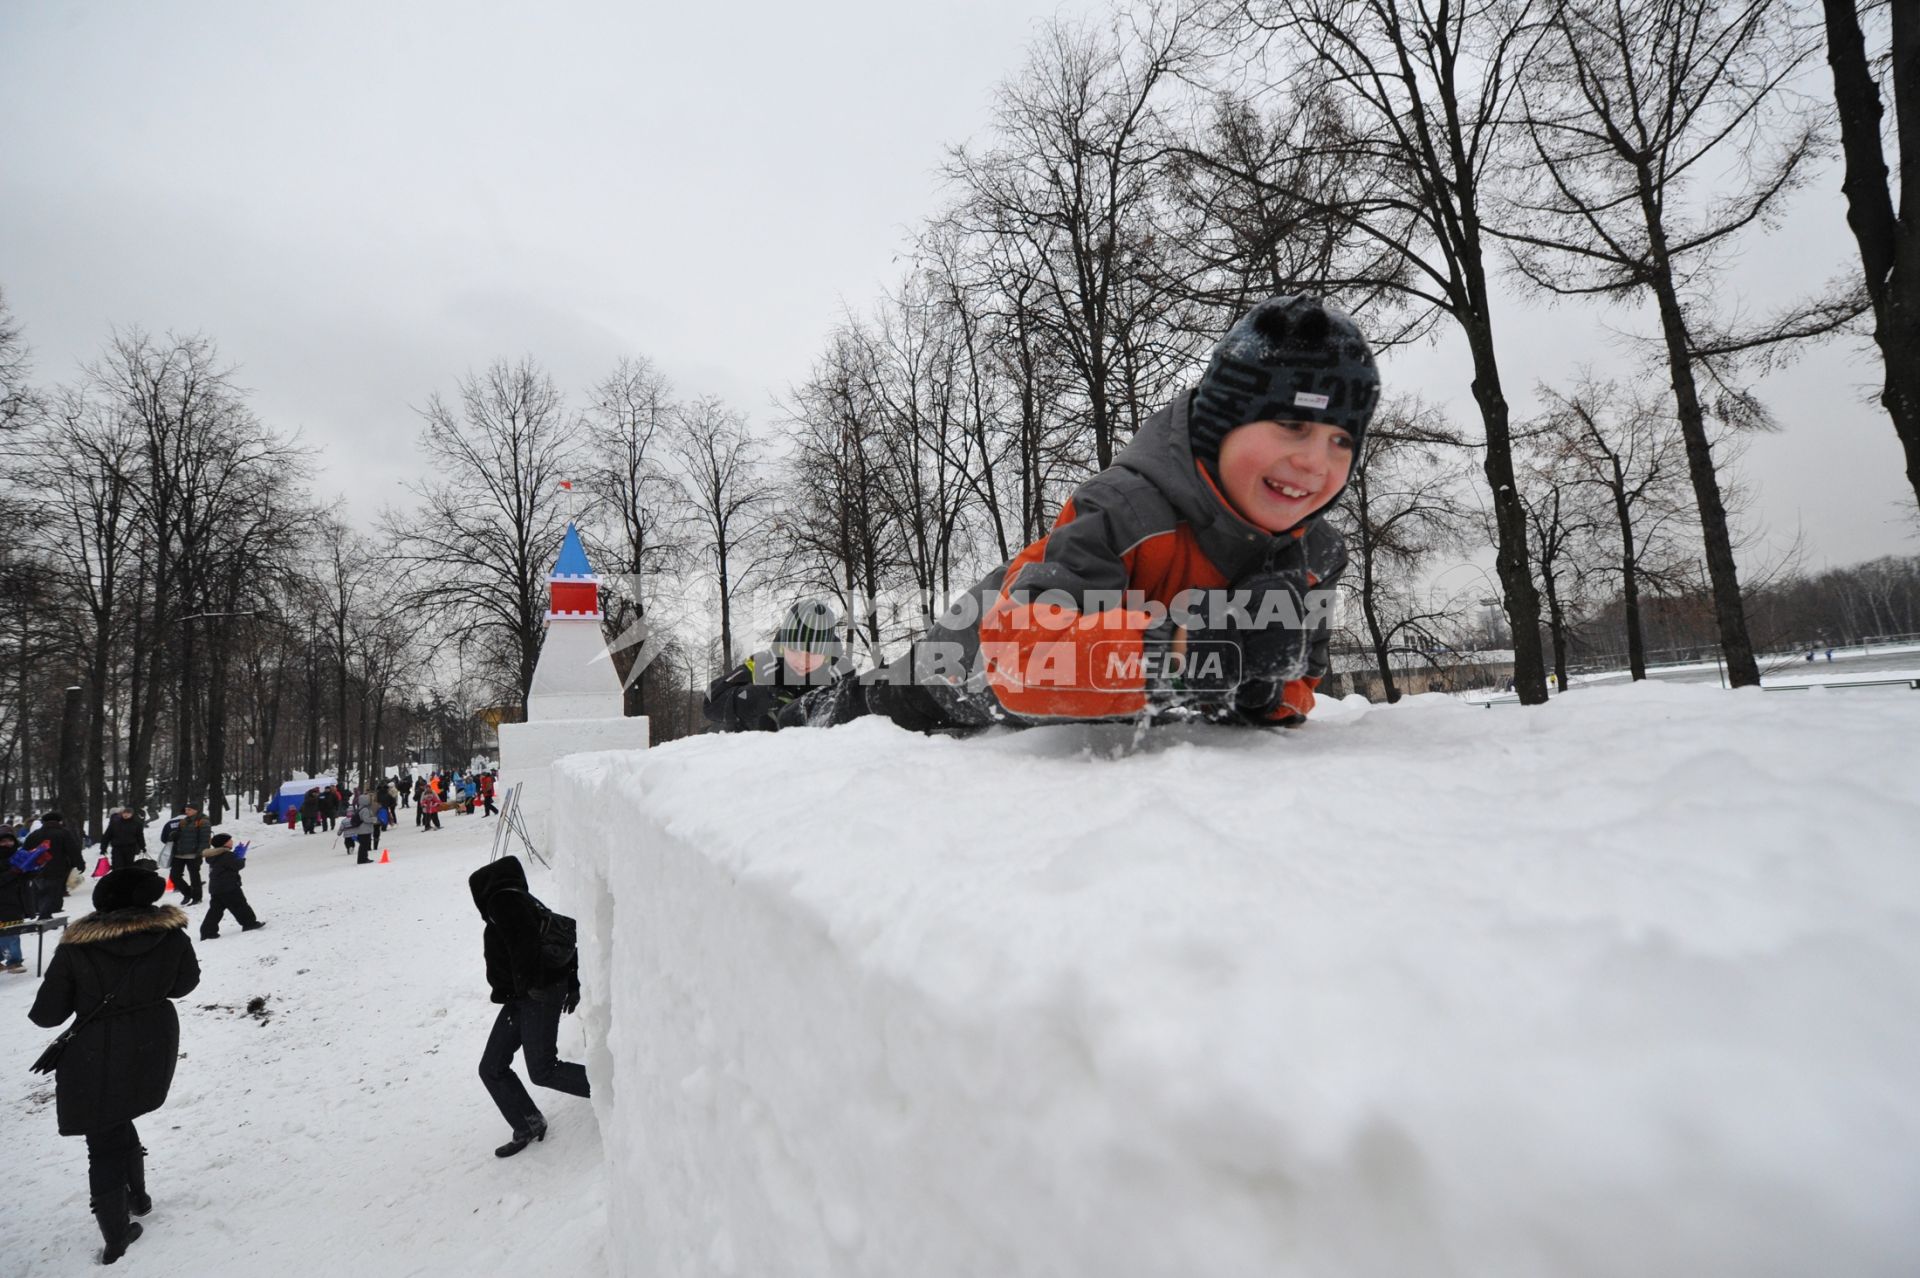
point(346, 1133)
point(1870, 661)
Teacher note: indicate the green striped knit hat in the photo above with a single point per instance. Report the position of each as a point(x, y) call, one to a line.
point(810, 626)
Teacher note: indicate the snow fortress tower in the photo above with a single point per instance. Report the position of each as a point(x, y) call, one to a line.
point(574, 679)
point(575, 703)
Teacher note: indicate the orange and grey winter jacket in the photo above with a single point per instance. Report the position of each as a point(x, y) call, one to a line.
point(1154, 523)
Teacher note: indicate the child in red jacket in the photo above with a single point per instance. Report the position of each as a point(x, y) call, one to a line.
point(1191, 579)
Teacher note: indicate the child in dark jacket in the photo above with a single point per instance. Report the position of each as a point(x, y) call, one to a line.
point(224, 864)
point(533, 994)
point(805, 656)
point(1192, 579)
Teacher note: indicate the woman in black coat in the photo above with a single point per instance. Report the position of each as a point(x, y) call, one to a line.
point(119, 1065)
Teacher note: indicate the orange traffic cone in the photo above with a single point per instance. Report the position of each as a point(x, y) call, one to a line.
point(384, 858)
point(169, 883)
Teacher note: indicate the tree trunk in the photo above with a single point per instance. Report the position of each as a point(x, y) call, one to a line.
point(1629, 572)
point(1730, 615)
point(183, 724)
point(96, 753)
point(1557, 629)
point(1512, 564)
point(340, 699)
point(27, 804)
point(70, 780)
point(1889, 251)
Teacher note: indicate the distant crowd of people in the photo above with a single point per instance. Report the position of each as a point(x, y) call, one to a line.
point(362, 816)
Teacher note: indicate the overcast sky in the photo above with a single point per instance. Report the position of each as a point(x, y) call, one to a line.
point(361, 202)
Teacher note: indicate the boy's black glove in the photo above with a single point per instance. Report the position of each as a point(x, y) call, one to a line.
point(1250, 657)
point(570, 1002)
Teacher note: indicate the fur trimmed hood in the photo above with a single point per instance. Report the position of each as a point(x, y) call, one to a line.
point(112, 925)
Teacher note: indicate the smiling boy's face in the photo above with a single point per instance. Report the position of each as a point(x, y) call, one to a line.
point(1279, 473)
point(803, 661)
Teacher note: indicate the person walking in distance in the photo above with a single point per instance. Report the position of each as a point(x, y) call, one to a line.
point(190, 842)
point(125, 837)
point(429, 811)
point(533, 969)
point(117, 971)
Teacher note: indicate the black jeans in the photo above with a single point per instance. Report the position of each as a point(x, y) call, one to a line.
point(223, 902)
point(532, 1027)
point(121, 858)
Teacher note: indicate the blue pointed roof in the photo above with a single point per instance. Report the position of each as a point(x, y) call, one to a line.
point(572, 564)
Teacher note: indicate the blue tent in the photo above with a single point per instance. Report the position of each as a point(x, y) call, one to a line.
point(292, 792)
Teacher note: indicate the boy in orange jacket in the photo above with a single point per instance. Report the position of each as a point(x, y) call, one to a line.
point(1191, 579)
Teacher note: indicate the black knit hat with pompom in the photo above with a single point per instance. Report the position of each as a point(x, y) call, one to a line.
point(1290, 359)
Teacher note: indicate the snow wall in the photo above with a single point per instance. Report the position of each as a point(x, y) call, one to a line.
point(528, 750)
point(1631, 986)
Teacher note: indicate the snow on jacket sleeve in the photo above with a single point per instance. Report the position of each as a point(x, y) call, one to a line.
point(1060, 642)
point(1324, 560)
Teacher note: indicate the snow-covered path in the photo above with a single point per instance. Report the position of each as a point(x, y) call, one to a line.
point(347, 1132)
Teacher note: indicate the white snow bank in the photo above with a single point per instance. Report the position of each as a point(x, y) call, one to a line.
point(527, 752)
point(1629, 984)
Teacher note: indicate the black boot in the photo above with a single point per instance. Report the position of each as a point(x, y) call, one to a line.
point(137, 1200)
point(536, 1129)
point(110, 1209)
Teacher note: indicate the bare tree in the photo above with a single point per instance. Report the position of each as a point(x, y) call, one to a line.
point(1888, 237)
point(918, 371)
point(479, 549)
point(1403, 507)
point(1256, 211)
point(1627, 102)
point(1630, 450)
point(17, 399)
point(90, 458)
point(628, 424)
point(1420, 94)
point(1562, 516)
point(1072, 179)
point(836, 524)
point(203, 456)
point(720, 469)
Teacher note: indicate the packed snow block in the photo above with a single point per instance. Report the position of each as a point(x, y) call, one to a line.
point(527, 752)
point(575, 678)
point(1628, 985)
